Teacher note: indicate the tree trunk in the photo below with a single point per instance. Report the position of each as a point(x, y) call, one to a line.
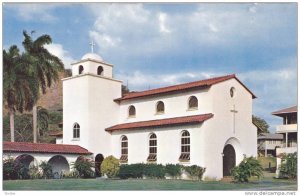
point(12, 125)
point(34, 123)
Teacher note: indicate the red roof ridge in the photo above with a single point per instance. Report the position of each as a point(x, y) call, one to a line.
point(43, 148)
point(200, 83)
point(162, 122)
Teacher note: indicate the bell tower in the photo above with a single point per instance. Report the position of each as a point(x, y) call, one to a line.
point(88, 104)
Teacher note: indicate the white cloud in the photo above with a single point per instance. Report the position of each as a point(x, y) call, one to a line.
point(32, 11)
point(139, 81)
point(57, 50)
point(162, 17)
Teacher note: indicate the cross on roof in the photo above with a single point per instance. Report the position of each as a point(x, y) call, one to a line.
point(92, 46)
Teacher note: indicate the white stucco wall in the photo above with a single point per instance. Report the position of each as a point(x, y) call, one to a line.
point(220, 128)
point(89, 101)
point(176, 105)
point(91, 67)
point(168, 144)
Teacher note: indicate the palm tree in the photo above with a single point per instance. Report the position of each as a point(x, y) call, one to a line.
point(20, 89)
point(45, 67)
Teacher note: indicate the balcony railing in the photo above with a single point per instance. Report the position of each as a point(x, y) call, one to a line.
point(286, 128)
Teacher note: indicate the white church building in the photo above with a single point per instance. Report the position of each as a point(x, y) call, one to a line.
point(206, 123)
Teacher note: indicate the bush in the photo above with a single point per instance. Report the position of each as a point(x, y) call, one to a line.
point(84, 167)
point(46, 170)
point(110, 166)
point(288, 167)
point(131, 171)
point(13, 170)
point(154, 171)
point(196, 172)
point(34, 172)
point(72, 174)
point(173, 170)
point(247, 168)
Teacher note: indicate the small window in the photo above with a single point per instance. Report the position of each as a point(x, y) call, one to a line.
point(80, 69)
point(131, 111)
point(232, 92)
point(76, 131)
point(124, 150)
point(193, 102)
point(100, 70)
point(152, 148)
point(185, 146)
point(160, 107)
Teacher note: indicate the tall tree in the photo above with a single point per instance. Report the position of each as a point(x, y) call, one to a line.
point(44, 65)
point(20, 89)
point(261, 123)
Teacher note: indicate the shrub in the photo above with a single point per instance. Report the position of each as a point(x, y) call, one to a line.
point(13, 170)
point(34, 172)
point(9, 171)
point(46, 170)
point(173, 170)
point(84, 167)
point(196, 172)
point(288, 167)
point(247, 168)
point(72, 174)
point(154, 171)
point(131, 171)
point(110, 166)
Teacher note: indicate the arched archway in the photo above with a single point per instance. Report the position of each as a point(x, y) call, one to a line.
point(59, 164)
point(100, 70)
point(27, 160)
point(98, 161)
point(229, 159)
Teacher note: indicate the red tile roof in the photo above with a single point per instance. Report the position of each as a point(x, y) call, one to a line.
point(43, 148)
point(162, 122)
point(286, 111)
point(191, 85)
point(56, 133)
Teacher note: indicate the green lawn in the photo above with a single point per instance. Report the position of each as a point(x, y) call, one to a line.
point(264, 161)
point(148, 184)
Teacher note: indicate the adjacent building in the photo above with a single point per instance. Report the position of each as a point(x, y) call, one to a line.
point(289, 130)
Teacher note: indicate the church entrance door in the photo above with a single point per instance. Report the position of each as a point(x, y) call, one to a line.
point(228, 159)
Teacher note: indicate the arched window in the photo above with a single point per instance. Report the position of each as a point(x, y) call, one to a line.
point(160, 107)
point(80, 69)
point(124, 149)
point(185, 146)
point(76, 131)
point(100, 70)
point(232, 92)
point(131, 111)
point(152, 148)
point(193, 102)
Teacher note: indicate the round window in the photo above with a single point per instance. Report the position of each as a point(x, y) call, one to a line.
point(232, 92)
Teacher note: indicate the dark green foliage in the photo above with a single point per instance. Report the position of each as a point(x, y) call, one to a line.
point(13, 170)
point(173, 170)
point(34, 172)
point(154, 171)
point(261, 123)
point(55, 117)
point(47, 170)
point(288, 167)
point(23, 128)
point(84, 167)
point(131, 171)
point(43, 120)
point(247, 168)
point(196, 172)
point(110, 166)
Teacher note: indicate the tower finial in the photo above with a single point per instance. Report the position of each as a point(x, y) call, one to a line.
point(92, 46)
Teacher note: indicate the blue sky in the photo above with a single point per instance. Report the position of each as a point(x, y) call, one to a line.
point(160, 44)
